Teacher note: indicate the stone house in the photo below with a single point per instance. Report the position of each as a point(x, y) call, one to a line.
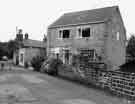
point(28, 49)
point(99, 33)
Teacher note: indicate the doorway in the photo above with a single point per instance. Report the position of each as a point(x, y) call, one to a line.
point(66, 56)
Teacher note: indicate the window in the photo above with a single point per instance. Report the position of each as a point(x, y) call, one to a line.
point(79, 32)
point(66, 57)
point(64, 34)
point(83, 32)
point(118, 35)
point(86, 32)
point(90, 53)
point(60, 34)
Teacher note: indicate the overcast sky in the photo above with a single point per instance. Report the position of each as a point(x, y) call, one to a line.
point(33, 16)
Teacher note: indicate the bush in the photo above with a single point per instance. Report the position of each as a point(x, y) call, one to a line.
point(51, 66)
point(36, 62)
point(128, 67)
point(45, 66)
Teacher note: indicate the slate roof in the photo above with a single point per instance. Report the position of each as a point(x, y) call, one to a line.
point(33, 43)
point(84, 17)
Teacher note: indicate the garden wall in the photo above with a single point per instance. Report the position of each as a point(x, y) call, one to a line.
point(123, 84)
point(119, 83)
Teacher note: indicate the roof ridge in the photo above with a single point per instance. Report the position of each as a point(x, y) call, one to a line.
point(32, 40)
point(93, 9)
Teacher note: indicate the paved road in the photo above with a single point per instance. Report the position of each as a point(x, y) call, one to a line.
point(27, 87)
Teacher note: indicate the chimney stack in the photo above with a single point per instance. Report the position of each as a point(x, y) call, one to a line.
point(19, 35)
point(26, 36)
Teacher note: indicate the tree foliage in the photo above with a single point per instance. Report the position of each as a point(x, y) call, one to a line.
point(130, 49)
point(36, 62)
point(7, 48)
point(12, 46)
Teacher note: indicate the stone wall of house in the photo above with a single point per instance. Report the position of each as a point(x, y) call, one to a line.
point(32, 52)
point(115, 48)
point(97, 35)
point(96, 41)
point(103, 39)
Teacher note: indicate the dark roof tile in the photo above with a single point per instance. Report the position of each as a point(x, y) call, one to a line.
point(84, 17)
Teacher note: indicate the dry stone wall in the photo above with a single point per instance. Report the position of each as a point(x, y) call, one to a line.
point(120, 83)
point(123, 84)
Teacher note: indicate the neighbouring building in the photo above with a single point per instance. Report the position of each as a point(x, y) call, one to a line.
point(28, 49)
point(98, 33)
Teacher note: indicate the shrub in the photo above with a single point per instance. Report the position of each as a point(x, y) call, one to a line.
point(36, 62)
point(75, 60)
point(51, 66)
point(45, 66)
point(128, 67)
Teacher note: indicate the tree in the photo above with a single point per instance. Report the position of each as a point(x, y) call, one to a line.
point(3, 49)
point(12, 46)
point(45, 38)
point(130, 49)
point(8, 48)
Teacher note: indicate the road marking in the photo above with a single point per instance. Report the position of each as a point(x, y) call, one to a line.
point(78, 101)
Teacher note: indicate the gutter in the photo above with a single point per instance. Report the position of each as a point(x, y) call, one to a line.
point(57, 26)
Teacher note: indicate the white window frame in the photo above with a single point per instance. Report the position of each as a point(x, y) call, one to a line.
point(60, 38)
point(62, 33)
point(64, 60)
point(118, 35)
point(94, 54)
point(83, 27)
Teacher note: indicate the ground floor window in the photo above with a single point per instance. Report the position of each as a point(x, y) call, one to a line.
point(90, 53)
point(66, 56)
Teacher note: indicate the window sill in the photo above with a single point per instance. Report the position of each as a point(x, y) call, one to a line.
point(63, 38)
point(85, 38)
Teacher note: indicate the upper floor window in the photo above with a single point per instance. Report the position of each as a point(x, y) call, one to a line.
point(64, 34)
point(60, 34)
point(79, 32)
point(84, 32)
point(118, 35)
